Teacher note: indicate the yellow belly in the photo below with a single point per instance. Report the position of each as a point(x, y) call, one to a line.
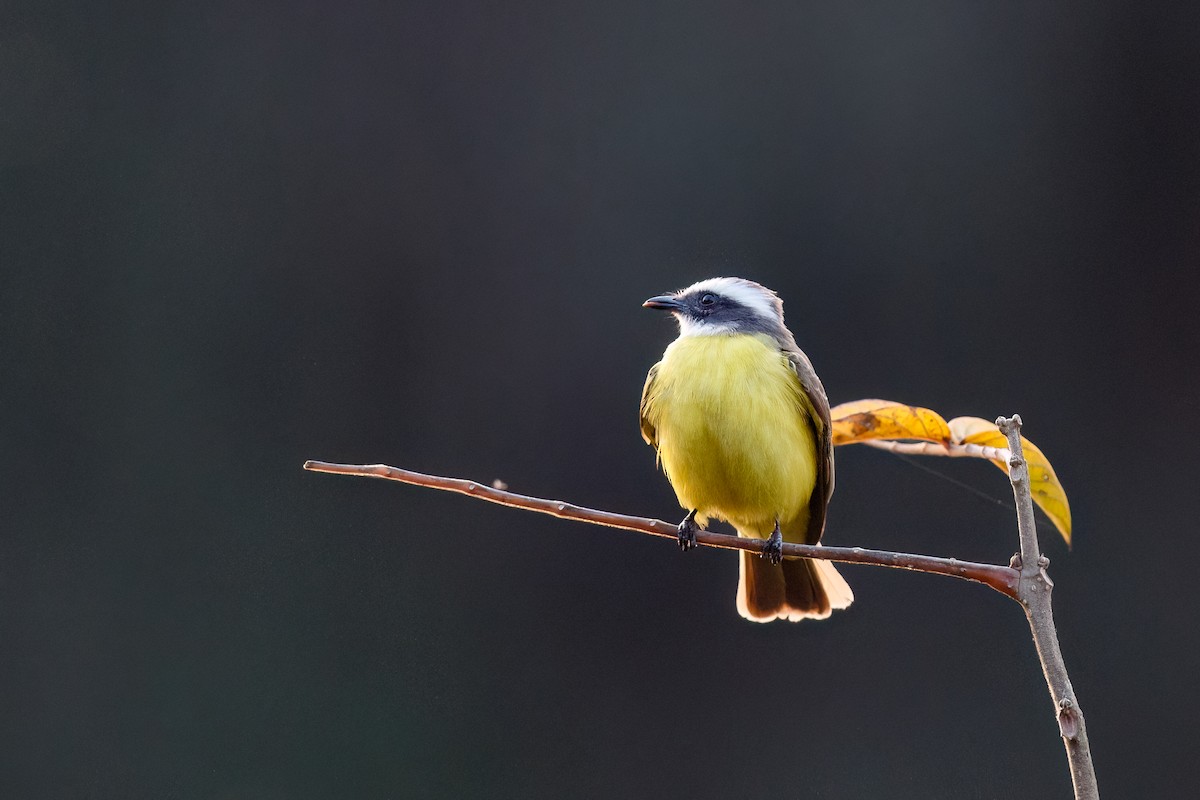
point(732, 434)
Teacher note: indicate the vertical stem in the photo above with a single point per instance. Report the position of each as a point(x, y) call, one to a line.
point(1018, 475)
point(1033, 592)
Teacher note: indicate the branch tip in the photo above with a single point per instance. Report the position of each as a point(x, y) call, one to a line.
point(1007, 424)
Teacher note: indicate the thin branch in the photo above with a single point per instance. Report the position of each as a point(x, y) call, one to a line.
point(1033, 593)
point(1025, 580)
point(1002, 579)
point(937, 449)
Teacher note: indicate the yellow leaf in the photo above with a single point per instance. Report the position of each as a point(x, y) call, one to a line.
point(882, 419)
point(1047, 492)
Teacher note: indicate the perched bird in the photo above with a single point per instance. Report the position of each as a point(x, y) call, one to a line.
point(740, 422)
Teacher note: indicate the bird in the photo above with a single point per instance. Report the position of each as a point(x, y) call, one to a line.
point(740, 424)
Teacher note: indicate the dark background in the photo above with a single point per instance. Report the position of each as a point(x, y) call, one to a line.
point(237, 236)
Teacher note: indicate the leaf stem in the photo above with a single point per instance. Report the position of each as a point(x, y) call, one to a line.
point(951, 449)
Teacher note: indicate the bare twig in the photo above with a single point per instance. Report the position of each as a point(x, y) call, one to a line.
point(1025, 580)
point(1002, 579)
point(1033, 593)
point(951, 449)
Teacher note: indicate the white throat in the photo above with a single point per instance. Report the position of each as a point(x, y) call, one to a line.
point(691, 327)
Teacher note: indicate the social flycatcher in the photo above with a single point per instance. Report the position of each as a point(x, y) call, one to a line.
point(741, 425)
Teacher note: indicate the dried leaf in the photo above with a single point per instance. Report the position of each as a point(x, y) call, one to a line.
point(882, 419)
point(1047, 492)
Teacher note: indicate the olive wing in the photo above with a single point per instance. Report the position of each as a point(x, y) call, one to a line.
point(648, 432)
point(816, 407)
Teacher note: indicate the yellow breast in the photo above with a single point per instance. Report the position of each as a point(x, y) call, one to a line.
point(732, 432)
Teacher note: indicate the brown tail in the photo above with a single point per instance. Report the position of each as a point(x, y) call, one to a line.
point(798, 588)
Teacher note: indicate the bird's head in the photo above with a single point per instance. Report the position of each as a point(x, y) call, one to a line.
point(723, 305)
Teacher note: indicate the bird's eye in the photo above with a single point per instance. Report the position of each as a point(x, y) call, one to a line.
point(708, 299)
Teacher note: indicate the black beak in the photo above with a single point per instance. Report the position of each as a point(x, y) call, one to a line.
point(664, 302)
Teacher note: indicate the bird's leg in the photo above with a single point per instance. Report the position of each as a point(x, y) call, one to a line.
point(687, 531)
point(773, 550)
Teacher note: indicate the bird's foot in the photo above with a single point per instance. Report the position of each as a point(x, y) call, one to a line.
point(773, 550)
point(687, 531)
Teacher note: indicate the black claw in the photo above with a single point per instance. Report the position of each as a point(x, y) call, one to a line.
point(773, 549)
point(687, 531)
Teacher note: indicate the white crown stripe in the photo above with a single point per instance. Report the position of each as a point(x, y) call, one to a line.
point(759, 299)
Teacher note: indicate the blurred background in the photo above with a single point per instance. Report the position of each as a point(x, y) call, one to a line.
point(237, 236)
